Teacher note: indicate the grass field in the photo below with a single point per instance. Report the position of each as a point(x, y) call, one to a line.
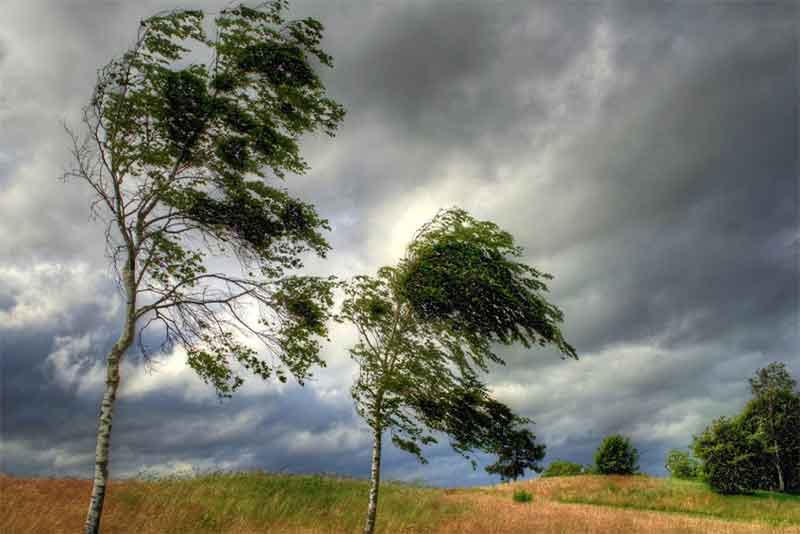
point(250, 503)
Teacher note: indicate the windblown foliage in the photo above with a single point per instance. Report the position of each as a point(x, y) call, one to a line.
point(177, 151)
point(461, 276)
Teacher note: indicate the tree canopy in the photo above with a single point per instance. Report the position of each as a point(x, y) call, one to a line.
point(771, 380)
point(730, 457)
point(462, 276)
point(616, 456)
point(177, 152)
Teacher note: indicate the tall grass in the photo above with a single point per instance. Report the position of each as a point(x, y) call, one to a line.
point(258, 503)
point(229, 503)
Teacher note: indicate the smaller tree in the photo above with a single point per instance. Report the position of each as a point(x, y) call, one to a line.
point(563, 468)
point(428, 326)
point(616, 456)
point(681, 464)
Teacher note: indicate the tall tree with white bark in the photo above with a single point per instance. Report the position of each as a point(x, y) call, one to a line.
point(776, 409)
point(177, 152)
point(427, 330)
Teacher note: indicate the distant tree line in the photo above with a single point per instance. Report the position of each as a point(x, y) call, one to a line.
point(615, 455)
point(757, 449)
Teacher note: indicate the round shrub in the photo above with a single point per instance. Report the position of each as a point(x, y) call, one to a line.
point(616, 456)
point(522, 496)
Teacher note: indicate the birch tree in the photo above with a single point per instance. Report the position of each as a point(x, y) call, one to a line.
point(776, 409)
point(758, 449)
point(178, 152)
point(427, 332)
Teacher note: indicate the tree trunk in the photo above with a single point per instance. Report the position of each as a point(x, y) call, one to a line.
point(775, 442)
point(781, 484)
point(375, 480)
point(92, 525)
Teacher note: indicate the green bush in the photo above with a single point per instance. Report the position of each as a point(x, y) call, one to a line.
point(590, 469)
point(522, 496)
point(616, 456)
point(731, 457)
point(681, 465)
point(563, 468)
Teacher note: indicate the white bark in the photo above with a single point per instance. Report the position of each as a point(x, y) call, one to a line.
point(375, 480)
point(781, 484)
point(92, 525)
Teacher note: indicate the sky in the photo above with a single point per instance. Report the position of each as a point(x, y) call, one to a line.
point(644, 153)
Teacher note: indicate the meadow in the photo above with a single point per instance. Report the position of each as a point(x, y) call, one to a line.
point(254, 503)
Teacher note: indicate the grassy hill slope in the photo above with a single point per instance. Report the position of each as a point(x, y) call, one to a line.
point(250, 503)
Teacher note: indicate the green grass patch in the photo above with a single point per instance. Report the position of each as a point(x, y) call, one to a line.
point(684, 496)
point(522, 496)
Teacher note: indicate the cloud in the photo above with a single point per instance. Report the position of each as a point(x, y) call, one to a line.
point(70, 369)
point(51, 293)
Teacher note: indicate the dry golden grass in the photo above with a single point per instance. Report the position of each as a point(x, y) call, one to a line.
point(252, 503)
point(53, 506)
point(28, 506)
point(256, 503)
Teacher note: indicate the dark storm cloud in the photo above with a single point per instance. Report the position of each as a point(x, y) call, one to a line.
point(437, 79)
point(38, 415)
point(416, 63)
point(683, 204)
point(681, 237)
point(424, 67)
point(644, 153)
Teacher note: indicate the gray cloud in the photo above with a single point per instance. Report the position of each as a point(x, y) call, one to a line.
point(643, 153)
